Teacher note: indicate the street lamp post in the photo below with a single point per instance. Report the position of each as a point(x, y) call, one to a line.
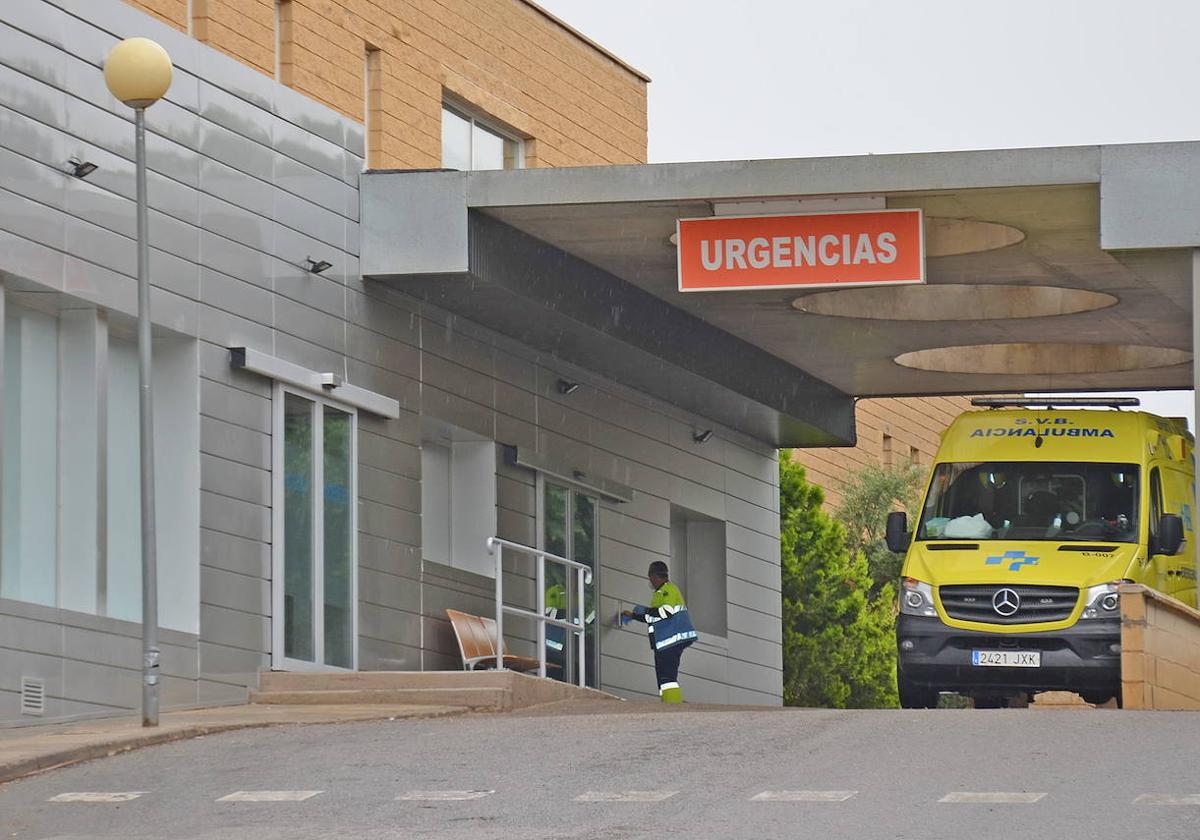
point(138, 72)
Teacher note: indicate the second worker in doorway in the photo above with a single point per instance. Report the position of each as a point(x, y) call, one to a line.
point(669, 627)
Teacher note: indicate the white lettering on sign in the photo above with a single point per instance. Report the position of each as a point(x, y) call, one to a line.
point(808, 250)
point(797, 252)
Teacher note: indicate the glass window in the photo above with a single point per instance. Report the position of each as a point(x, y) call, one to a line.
point(298, 528)
point(456, 141)
point(316, 549)
point(28, 565)
point(339, 539)
point(487, 149)
point(70, 536)
point(1156, 502)
point(124, 501)
point(1032, 500)
point(468, 143)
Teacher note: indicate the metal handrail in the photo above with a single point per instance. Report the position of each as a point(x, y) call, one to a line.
point(582, 575)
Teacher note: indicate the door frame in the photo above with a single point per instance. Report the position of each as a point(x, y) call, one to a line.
point(280, 662)
point(569, 536)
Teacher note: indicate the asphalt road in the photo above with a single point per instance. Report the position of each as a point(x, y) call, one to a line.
point(1041, 774)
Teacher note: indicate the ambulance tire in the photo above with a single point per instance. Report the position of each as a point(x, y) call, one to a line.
point(914, 696)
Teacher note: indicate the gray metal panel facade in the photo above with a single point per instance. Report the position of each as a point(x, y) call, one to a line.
point(247, 178)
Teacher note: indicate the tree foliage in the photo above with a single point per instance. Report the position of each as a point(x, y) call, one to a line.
point(838, 646)
point(868, 496)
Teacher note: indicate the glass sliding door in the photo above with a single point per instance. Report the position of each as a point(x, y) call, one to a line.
point(558, 583)
point(569, 527)
point(299, 641)
point(315, 528)
point(337, 557)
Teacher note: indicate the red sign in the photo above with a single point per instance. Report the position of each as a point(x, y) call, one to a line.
point(860, 248)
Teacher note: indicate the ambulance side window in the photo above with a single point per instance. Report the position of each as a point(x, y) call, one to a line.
point(1156, 502)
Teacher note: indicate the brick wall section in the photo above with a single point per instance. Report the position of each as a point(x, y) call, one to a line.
point(171, 12)
point(575, 105)
point(1160, 651)
point(910, 422)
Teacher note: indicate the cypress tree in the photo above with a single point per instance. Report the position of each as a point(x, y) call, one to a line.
point(838, 641)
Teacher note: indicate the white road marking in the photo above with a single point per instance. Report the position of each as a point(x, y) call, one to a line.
point(442, 795)
point(1167, 799)
point(121, 796)
point(803, 796)
point(270, 795)
point(625, 795)
point(977, 798)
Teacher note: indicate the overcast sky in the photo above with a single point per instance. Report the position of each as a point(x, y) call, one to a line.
point(799, 78)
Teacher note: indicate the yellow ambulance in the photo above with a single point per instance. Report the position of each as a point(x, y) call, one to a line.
point(1036, 510)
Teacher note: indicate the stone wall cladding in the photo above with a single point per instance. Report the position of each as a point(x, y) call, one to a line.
point(1160, 651)
point(246, 178)
point(575, 104)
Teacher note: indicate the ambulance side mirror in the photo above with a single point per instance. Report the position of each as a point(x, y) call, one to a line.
point(898, 536)
point(1170, 534)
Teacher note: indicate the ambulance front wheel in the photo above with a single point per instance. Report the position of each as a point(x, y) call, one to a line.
point(914, 695)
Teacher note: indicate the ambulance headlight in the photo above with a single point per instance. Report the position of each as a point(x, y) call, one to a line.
point(1102, 602)
point(916, 598)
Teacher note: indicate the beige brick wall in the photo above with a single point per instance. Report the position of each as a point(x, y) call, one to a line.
point(1160, 651)
point(170, 12)
point(575, 104)
point(910, 427)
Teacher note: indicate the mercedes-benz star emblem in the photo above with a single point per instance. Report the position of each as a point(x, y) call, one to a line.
point(1006, 602)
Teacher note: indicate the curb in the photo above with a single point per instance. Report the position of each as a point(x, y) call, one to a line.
point(89, 752)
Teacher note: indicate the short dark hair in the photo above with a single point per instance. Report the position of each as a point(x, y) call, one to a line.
point(659, 569)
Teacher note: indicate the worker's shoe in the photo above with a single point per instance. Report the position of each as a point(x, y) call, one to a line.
point(671, 693)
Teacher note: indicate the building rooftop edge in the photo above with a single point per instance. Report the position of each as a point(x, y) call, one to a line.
point(591, 43)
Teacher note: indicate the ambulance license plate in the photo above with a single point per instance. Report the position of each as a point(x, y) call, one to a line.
point(1007, 658)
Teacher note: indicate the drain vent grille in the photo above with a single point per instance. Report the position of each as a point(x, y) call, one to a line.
point(33, 696)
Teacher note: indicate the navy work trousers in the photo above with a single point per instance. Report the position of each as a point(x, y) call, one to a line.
point(666, 664)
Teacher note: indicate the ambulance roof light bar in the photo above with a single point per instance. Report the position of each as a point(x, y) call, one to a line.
point(1052, 402)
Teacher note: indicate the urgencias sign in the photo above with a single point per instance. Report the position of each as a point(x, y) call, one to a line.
point(861, 248)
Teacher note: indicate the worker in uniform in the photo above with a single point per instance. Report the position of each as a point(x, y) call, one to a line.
point(669, 627)
point(556, 637)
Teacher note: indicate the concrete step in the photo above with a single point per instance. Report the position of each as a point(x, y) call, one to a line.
point(492, 699)
point(494, 690)
point(369, 680)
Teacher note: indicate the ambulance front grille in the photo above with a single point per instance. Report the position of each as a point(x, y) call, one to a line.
point(1037, 603)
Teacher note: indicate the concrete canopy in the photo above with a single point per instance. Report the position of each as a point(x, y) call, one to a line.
point(1048, 270)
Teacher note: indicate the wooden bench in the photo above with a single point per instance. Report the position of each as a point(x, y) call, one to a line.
point(477, 644)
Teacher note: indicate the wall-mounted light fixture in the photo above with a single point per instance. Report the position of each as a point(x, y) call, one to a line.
point(329, 381)
point(702, 437)
point(81, 168)
point(316, 266)
point(565, 387)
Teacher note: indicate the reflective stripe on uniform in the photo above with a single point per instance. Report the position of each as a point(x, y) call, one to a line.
point(659, 644)
point(666, 686)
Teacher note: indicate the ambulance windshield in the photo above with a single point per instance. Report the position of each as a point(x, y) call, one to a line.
point(1032, 501)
